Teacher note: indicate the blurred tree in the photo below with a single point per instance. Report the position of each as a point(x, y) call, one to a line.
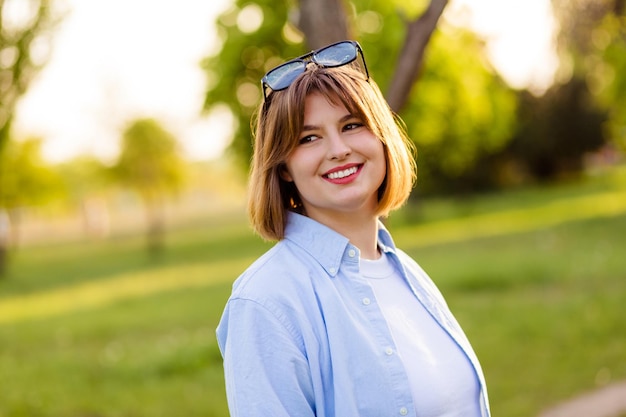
point(25, 28)
point(584, 109)
point(556, 130)
point(261, 34)
point(581, 30)
point(83, 176)
point(592, 48)
point(607, 75)
point(150, 163)
point(25, 180)
point(592, 45)
point(460, 114)
point(86, 182)
point(327, 14)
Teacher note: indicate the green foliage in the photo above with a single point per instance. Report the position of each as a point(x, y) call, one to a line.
point(25, 178)
point(592, 46)
point(557, 129)
point(582, 112)
point(234, 73)
point(23, 26)
point(606, 69)
point(458, 111)
point(84, 176)
point(410, 9)
point(149, 162)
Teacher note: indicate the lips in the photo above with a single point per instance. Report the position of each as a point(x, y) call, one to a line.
point(343, 173)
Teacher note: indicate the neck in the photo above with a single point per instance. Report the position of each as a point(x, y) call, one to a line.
point(362, 231)
point(365, 237)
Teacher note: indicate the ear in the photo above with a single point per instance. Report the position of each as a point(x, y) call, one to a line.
point(284, 174)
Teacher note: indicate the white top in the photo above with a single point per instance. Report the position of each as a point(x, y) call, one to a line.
point(443, 382)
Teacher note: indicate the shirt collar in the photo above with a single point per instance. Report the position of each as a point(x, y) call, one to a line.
point(324, 244)
point(385, 242)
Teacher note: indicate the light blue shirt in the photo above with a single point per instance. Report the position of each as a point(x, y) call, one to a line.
point(302, 334)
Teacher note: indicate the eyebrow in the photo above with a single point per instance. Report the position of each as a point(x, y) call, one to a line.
point(342, 120)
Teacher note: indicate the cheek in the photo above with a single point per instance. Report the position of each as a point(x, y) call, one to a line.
point(383, 172)
point(301, 164)
point(383, 162)
point(289, 168)
point(381, 153)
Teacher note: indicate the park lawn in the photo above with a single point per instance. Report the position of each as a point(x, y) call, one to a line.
point(150, 356)
point(542, 307)
point(543, 310)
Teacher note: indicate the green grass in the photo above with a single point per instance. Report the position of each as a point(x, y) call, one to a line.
point(145, 357)
point(99, 329)
point(48, 267)
point(544, 309)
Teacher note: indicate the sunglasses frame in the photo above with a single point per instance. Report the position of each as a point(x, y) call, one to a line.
point(310, 57)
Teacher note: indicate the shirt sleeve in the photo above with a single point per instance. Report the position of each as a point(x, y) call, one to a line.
point(265, 367)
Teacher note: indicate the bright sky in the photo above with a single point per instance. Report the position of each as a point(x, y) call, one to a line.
point(114, 60)
point(520, 37)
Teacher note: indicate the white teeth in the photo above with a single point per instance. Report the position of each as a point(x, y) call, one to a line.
point(342, 174)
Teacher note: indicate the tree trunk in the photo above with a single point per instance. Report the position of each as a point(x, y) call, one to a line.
point(155, 231)
point(323, 22)
point(412, 54)
point(5, 236)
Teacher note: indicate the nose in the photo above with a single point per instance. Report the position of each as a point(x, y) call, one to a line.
point(337, 147)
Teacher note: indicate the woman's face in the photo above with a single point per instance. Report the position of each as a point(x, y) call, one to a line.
point(338, 165)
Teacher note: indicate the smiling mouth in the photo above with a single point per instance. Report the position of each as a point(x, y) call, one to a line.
point(343, 173)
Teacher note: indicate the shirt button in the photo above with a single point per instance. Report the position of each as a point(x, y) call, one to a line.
point(366, 301)
point(352, 253)
point(389, 351)
point(332, 270)
point(404, 411)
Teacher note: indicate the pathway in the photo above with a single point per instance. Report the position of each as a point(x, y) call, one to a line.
point(609, 401)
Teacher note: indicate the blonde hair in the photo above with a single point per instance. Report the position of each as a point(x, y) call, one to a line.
point(279, 122)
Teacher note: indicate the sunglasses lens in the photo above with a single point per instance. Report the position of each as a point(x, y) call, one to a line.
point(281, 77)
point(332, 56)
point(336, 55)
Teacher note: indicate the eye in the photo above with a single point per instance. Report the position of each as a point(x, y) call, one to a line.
point(308, 139)
point(353, 125)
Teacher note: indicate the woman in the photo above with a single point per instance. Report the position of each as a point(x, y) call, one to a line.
point(334, 320)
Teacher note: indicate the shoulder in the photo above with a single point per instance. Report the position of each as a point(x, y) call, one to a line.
point(408, 261)
point(417, 272)
point(278, 271)
point(275, 292)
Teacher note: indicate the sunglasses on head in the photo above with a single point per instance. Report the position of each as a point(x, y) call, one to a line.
point(331, 56)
